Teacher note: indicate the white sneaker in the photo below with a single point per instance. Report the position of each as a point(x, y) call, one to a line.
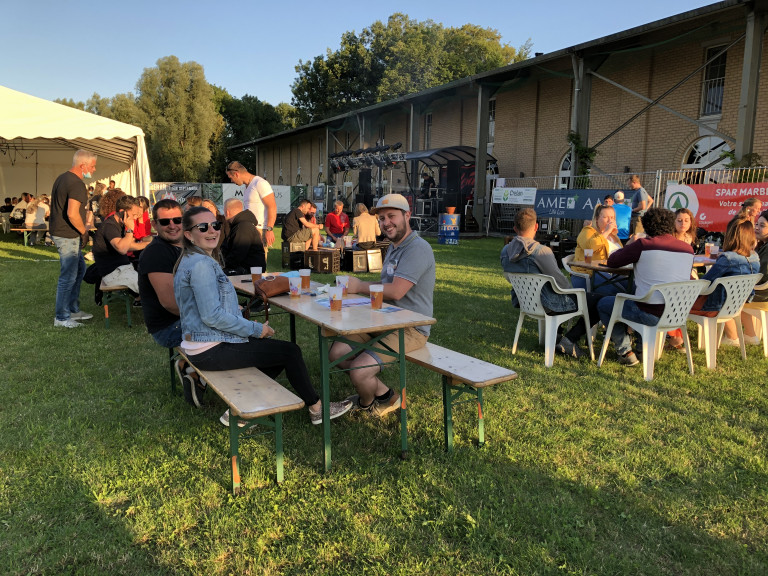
point(80, 316)
point(89, 257)
point(66, 323)
point(729, 342)
point(225, 420)
point(754, 340)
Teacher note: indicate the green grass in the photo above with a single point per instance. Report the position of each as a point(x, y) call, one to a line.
point(585, 470)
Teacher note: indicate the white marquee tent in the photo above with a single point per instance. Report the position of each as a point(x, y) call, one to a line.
point(38, 139)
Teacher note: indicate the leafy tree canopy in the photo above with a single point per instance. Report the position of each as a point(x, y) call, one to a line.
point(390, 60)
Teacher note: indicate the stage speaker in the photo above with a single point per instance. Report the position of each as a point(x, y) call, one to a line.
point(366, 199)
point(452, 185)
point(364, 183)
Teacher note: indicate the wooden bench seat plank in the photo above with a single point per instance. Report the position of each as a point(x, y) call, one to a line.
point(250, 393)
point(460, 367)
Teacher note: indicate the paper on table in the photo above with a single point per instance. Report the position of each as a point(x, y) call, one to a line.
point(346, 303)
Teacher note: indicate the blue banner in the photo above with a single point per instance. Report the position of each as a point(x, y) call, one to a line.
point(576, 204)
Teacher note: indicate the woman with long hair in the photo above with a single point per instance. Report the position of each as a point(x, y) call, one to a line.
point(213, 209)
point(737, 257)
point(601, 237)
point(365, 227)
point(215, 336)
point(760, 301)
point(685, 227)
point(750, 208)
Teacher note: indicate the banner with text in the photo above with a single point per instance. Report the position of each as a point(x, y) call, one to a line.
point(713, 205)
point(576, 204)
point(525, 196)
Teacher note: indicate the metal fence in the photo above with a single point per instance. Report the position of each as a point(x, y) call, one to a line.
point(499, 217)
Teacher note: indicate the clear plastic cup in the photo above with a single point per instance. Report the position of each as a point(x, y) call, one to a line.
point(377, 296)
point(708, 249)
point(294, 284)
point(343, 282)
point(255, 273)
point(588, 252)
point(336, 295)
point(305, 273)
point(714, 250)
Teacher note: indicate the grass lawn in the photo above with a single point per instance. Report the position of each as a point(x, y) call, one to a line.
point(585, 470)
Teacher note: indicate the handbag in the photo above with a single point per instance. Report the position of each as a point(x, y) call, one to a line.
point(264, 289)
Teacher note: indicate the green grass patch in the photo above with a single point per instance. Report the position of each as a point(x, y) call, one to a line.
point(585, 470)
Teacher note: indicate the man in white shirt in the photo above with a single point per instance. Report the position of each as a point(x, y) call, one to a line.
point(258, 198)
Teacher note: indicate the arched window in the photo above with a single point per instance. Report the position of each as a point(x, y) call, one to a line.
point(703, 158)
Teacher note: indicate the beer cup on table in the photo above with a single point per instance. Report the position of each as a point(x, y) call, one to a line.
point(377, 296)
point(255, 273)
point(588, 255)
point(714, 250)
point(335, 295)
point(294, 285)
point(304, 274)
point(343, 283)
point(708, 249)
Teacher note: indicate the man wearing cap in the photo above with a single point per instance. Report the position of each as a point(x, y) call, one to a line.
point(408, 276)
point(259, 198)
point(623, 216)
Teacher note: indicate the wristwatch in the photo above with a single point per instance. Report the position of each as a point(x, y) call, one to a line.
point(129, 231)
point(266, 228)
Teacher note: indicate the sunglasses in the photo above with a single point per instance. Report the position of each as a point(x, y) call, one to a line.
point(203, 226)
point(166, 221)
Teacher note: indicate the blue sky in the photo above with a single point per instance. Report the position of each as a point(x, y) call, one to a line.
point(71, 49)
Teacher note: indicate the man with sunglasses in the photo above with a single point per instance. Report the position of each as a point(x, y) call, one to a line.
point(161, 313)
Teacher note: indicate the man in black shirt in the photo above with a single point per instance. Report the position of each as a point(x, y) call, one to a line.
point(296, 227)
point(242, 247)
point(67, 228)
point(161, 313)
point(113, 240)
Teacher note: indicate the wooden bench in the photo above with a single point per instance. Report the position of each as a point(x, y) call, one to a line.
point(462, 375)
point(116, 293)
point(28, 231)
point(255, 398)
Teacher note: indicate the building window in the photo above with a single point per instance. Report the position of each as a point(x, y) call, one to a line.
point(714, 84)
point(428, 131)
point(491, 121)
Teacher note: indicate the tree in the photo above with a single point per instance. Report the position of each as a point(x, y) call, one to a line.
point(390, 60)
point(180, 119)
point(71, 103)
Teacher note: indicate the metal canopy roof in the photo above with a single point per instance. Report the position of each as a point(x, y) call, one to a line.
point(441, 156)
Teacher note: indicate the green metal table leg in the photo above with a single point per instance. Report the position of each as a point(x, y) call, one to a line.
point(326, 399)
point(403, 400)
point(480, 421)
point(279, 446)
point(447, 415)
point(234, 433)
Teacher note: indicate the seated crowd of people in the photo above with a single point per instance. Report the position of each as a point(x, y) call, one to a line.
point(661, 250)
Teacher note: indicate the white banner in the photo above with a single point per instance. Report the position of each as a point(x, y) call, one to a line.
point(526, 196)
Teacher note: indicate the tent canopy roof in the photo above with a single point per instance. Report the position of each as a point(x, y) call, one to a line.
point(36, 124)
point(441, 156)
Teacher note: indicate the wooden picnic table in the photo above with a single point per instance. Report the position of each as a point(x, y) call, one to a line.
point(336, 327)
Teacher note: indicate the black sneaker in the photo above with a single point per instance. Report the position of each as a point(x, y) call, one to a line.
point(629, 359)
point(568, 348)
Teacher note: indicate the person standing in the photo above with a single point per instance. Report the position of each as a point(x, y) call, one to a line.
point(67, 227)
point(623, 216)
point(641, 201)
point(259, 198)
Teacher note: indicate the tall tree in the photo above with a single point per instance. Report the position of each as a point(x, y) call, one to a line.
point(390, 60)
point(180, 119)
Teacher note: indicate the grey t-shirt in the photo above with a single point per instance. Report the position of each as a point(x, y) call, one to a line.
point(414, 261)
point(640, 196)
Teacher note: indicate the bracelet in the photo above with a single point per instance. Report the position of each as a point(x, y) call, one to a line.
point(266, 228)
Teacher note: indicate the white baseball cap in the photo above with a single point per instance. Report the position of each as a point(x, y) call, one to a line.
point(619, 196)
point(392, 201)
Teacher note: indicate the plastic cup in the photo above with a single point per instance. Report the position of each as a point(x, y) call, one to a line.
point(714, 251)
point(343, 283)
point(347, 241)
point(336, 295)
point(304, 273)
point(377, 296)
point(588, 255)
point(255, 273)
point(294, 286)
point(708, 249)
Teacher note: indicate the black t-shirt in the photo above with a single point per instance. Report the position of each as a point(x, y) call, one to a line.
point(291, 223)
point(67, 186)
point(6, 208)
point(106, 257)
point(159, 256)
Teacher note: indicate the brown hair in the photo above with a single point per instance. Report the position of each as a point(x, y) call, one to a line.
point(599, 210)
point(739, 236)
point(109, 201)
point(692, 229)
point(525, 220)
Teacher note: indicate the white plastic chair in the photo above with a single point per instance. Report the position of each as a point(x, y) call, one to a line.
point(678, 300)
point(737, 290)
point(528, 288)
point(761, 315)
point(583, 275)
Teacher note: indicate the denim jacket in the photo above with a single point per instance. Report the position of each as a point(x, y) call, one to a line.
point(728, 264)
point(208, 303)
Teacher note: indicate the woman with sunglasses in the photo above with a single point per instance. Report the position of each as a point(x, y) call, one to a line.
point(215, 335)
